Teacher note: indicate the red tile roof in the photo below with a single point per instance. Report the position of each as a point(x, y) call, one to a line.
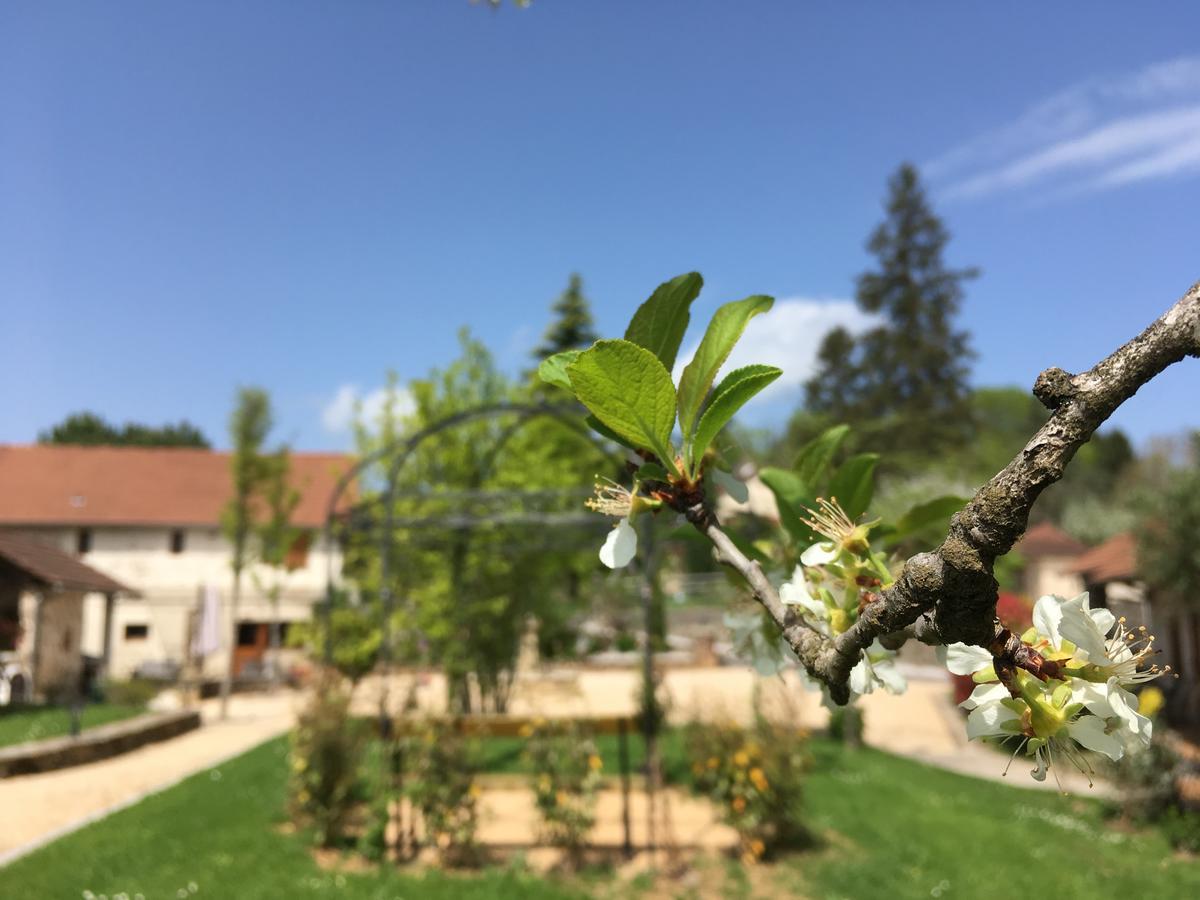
point(1114, 560)
point(69, 485)
point(1047, 539)
point(55, 569)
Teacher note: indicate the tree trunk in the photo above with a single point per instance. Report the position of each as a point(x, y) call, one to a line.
point(227, 682)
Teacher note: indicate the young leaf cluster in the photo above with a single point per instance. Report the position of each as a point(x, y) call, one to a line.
point(627, 386)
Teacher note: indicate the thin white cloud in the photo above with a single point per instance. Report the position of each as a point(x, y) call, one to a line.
point(338, 415)
point(788, 337)
point(1099, 134)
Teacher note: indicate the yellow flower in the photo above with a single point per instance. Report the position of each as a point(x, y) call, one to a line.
point(713, 762)
point(595, 763)
point(741, 759)
point(757, 848)
point(561, 798)
point(474, 790)
point(758, 778)
point(1150, 701)
point(525, 730)
point(738, 804)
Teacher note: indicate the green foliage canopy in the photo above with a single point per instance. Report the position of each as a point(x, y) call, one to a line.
point(91, 430)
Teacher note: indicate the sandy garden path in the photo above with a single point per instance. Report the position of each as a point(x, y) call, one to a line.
point(921, 724)
point(40, 808)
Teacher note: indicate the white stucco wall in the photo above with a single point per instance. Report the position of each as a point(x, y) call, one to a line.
point(1051, 575)
point(170, 585)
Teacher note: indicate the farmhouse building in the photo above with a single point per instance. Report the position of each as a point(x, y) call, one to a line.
point(150, 519)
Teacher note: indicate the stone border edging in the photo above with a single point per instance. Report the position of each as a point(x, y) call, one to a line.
point(95, 744)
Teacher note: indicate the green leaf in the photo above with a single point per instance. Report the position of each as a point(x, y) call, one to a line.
point(629, 390)
point(787, 485)
point(604, 431)
point(553, 370)
point(854, 483)
point(791, 496)
point(812, 462)
point(925, 515)
point(659, 323)
point(651, 472)
point(723, 332)
point(730, 395)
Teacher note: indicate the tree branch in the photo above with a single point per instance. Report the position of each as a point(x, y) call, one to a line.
point(807, 643)
point(950, 594)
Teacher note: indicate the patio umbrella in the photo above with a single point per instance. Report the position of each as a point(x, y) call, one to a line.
point(207, 637)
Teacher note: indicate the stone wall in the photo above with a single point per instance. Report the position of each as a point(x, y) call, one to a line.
point(56, 655)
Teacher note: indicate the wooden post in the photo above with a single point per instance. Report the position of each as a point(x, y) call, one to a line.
point(106, 654)
point(649, 688)
point(623, 759)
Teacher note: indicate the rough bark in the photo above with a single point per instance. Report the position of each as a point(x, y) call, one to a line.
point(949, 594)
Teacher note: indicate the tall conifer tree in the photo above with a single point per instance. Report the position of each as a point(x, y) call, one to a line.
point(903, 383)
point(573, 325)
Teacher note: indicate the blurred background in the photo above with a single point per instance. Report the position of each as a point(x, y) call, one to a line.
point(298, 591)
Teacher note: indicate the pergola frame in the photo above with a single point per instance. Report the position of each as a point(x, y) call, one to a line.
point(400, 451)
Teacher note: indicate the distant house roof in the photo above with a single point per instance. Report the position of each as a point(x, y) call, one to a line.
point(53, 568)
point(1114, 560)
point(69, 485)
point(1047, 539)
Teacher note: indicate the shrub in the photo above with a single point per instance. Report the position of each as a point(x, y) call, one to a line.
point(441, 784)
point(756, 776)
point(846, 724)
point(134, 692)
point(566, 766)
point(1146, 780)
point(1151, 782)
point(1182, 829)
point(372, 843)
point(326, 751)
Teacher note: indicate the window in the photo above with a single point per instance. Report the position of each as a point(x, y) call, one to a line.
point(297, 555)
point(137, 632)
point(247, 634)
point(177, 540)
point(83, 541)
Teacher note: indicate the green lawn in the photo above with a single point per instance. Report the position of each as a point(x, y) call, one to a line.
point(219, 831)
point(888, 828)
point(35, 724)
point(898, 829)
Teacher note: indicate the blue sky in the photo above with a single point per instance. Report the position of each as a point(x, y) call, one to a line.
point(304, 195)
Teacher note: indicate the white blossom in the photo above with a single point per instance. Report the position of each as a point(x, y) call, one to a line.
point(620, 545)
point(1095, 653)
point(820, 554)
point(966, 659)
point(877, 668)
point(795, 592)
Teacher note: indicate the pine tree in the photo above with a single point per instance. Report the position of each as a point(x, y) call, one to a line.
point(903, 384)
point(573, 326)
